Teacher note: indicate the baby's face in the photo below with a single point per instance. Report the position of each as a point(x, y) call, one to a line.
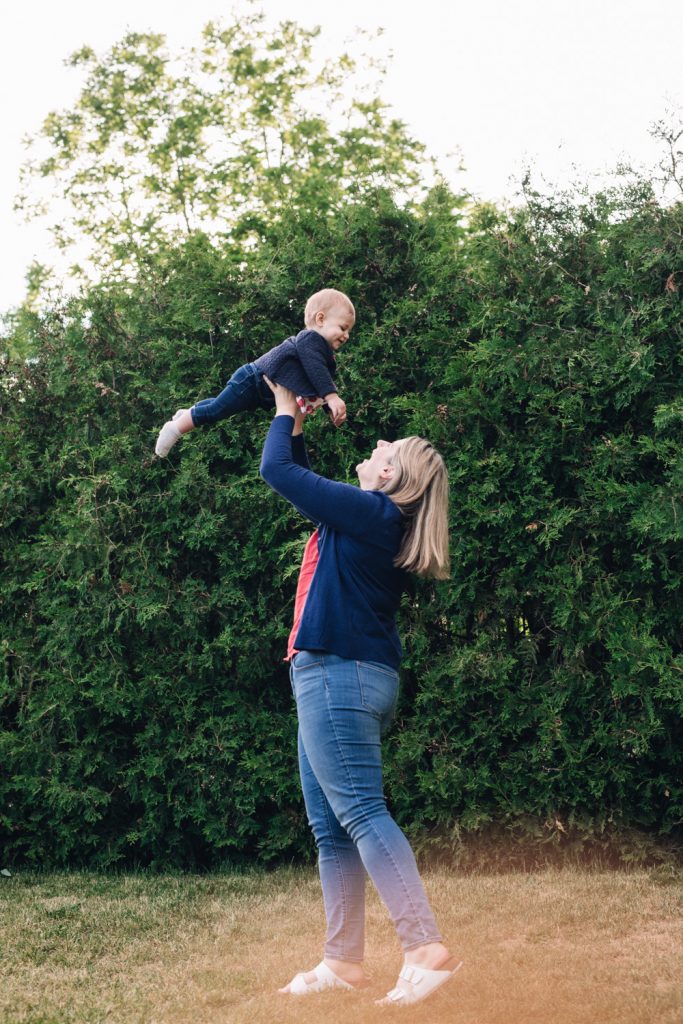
point(335, 325)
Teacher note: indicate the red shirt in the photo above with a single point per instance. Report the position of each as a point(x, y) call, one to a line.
point(308, 565)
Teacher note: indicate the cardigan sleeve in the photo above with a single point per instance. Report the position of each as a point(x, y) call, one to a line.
point(299, 453)
point(314, 356)
point(344, 507)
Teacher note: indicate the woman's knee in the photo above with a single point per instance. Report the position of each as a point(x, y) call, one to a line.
point(363, 817)
point(332, 840)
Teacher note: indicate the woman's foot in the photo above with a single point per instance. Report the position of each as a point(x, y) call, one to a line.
point(432, 957)
point(347, 971)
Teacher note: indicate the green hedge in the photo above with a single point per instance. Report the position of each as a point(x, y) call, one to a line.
point(145, 711)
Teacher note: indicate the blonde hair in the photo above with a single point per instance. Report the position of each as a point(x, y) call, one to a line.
point(326, 299)
point(419, 487)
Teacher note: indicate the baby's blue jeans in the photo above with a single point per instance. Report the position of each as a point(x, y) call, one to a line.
point(245, 391)
point(344, 707)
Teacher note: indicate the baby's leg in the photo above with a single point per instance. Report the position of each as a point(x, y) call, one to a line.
point(183, 421)
point(239, 395)
point(172, 431)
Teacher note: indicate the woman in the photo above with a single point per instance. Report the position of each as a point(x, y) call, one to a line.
point(345, 652)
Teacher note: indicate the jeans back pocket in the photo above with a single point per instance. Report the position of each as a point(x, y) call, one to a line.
point(378, 688)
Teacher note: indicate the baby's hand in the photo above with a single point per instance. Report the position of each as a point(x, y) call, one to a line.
point(337, 408)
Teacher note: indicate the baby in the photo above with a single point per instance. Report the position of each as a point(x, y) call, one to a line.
point(305, 364)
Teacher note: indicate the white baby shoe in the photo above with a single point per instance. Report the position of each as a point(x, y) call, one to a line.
point(168, 435)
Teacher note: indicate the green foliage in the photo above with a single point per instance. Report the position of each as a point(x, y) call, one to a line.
point(145, 711)
point(221, 137)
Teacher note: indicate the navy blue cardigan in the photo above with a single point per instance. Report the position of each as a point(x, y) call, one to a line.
point(352, 602)
point(305, 364)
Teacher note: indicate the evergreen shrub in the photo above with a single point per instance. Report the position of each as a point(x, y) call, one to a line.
point(145, 711)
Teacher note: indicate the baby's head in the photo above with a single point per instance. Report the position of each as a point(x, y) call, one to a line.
point(332, 315)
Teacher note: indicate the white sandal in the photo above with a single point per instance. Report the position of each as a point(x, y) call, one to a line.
point(324, 978)
point(422, 982)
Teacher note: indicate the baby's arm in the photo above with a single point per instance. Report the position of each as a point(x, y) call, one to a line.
point(337, 407)
point(313, 356)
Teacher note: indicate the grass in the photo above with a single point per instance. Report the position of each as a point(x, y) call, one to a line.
point(552, 947)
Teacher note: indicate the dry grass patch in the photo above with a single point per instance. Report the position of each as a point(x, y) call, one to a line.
point(547, 948)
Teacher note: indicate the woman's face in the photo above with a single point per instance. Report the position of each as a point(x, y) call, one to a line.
point(374, 471)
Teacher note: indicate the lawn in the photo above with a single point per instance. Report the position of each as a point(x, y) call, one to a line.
point(551, 947)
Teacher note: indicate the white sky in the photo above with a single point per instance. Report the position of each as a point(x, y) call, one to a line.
point(556, 82)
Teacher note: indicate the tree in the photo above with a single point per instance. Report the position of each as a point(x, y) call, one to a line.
point(219, 138)
point(668, 132)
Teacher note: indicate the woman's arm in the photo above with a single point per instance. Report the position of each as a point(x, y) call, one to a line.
point(299, 453)
point(344, 507)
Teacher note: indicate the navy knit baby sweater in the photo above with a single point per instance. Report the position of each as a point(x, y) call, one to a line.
point(352, 602)
point(304, 364)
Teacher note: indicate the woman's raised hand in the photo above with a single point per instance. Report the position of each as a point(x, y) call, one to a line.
point(285, 400)
point(286, 404)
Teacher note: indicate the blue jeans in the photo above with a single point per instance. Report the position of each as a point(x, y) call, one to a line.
point(245, 391)
point(344, 707)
